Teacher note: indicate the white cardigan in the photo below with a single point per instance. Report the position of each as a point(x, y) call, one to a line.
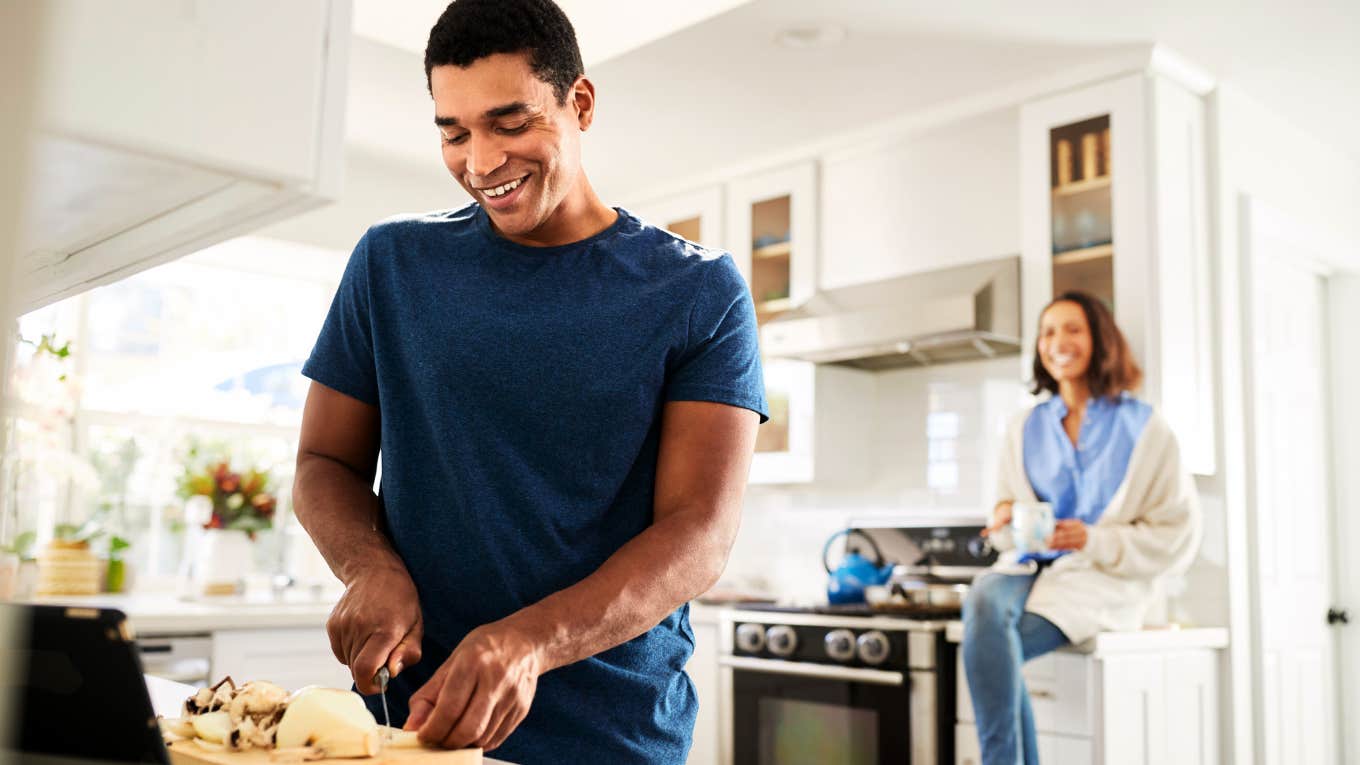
point(1151, 528)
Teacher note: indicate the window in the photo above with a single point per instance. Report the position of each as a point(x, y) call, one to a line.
point(207, 347)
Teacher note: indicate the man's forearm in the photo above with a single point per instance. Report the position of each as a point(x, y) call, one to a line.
point(341, 514)
point(671, 562)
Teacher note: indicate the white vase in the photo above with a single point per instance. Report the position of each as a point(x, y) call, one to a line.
point(222, 561)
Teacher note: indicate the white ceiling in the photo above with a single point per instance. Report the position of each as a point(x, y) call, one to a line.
point(604, 28)
point(716, 89)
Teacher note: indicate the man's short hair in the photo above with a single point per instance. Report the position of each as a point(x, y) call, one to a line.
point(469, 30)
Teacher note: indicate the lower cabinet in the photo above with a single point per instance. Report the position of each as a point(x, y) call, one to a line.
point(1134, 708)
point(703, 671)
point(291, 657)
point(1053, 749)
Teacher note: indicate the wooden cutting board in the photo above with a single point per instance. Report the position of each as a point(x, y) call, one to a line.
point(186, 752)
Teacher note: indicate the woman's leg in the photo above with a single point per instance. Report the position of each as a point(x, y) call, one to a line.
point(1038, 636)
point(992, 656)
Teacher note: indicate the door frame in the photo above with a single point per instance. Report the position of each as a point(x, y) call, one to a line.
point(1323, 255)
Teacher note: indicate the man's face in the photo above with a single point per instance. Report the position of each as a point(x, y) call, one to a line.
point(507, 140)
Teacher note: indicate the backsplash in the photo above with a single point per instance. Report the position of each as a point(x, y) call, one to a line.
point(935, 445)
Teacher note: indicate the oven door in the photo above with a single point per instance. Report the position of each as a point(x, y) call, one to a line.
point(790, 713)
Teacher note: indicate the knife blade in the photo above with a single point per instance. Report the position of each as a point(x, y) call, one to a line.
point(381, 680)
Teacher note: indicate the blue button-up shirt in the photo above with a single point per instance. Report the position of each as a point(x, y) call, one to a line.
point(1079, 481)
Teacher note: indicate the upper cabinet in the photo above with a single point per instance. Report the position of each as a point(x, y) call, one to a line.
point(932, 199)
point(168, 126)
point(694, 215)
point(772, 234)
point(1114, 203)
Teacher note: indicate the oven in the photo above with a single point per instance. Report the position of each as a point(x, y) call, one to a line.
point(835, 690)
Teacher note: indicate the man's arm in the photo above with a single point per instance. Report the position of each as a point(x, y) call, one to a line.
point(377, 620)
point(485, 688)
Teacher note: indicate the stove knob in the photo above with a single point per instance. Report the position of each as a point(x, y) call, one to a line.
point(873, 647)
point(781, 640)
point(840, 645)
point(750, 638)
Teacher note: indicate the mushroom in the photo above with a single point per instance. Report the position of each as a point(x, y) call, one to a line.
point(332, 720)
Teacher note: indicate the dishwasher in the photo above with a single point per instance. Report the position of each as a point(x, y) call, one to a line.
point(181, 658)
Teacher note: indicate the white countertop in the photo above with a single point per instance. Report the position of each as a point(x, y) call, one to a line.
point(1151, 639)
point(167, 613)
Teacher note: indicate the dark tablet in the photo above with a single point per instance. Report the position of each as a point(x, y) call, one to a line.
point(80, 687)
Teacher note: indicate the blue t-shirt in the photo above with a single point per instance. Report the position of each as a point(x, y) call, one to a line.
point(521, 391)
point(1080, 481)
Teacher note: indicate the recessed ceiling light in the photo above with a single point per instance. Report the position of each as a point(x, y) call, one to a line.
point(811, 36)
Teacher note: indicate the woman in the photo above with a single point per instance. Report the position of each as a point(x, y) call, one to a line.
point(1127, 514)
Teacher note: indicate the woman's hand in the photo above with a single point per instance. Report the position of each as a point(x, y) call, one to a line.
point(1001, 517)
point(1068, 534)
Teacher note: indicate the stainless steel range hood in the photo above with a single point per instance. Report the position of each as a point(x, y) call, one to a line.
point(955, 314)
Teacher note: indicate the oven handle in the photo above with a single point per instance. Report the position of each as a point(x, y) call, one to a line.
point(777, 667)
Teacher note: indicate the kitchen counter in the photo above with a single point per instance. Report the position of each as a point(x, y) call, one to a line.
point(166, 613)
point(1153, 639)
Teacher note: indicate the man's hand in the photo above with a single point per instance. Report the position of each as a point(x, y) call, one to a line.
point(481, 693)
point(1001, 517)
point(1068, 534)
point(377, 621)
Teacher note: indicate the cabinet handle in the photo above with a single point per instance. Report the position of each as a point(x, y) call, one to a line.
point(1042, 694)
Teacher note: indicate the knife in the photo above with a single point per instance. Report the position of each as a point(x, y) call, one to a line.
point(381, 680)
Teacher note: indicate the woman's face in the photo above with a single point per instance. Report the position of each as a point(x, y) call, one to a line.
point(1065, 342)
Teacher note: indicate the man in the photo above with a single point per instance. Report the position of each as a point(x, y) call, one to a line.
point(566, 401)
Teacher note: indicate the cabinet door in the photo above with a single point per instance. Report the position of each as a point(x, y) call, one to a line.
point(169, 78)
point(772, 233)
point(1114, 203)
point(967, 751)
point(1060, 693)
point(703, 671)
point(932, 200)
point(1133, 703)
point(1084, 214)
point(291, 658)
point(1191, 714)
point(695, 215)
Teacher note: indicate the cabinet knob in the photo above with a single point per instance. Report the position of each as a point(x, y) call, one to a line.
point(1338, 616)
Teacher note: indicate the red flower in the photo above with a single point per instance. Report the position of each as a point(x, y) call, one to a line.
point(229, 483)
point(215, 522)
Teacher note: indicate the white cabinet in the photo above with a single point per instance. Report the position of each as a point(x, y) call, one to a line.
point(165, 127)
point(1113, 202)
point(931, 200)
point(772, 233)
point(695, 215)
point(817, 413)
point(703, 671)
point(291, 657)
point(1142, 703)
point(768, 221)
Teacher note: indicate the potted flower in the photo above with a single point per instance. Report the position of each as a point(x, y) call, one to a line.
point(231, 506)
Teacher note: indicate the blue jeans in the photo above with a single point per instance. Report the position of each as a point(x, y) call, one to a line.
point(998, 637)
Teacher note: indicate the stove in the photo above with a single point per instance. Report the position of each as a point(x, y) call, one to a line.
point(831, 683)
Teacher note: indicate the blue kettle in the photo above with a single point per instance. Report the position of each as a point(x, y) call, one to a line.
point(855, 572)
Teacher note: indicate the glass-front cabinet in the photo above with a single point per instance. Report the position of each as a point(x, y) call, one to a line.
point(768, 221)
point(1114, 204)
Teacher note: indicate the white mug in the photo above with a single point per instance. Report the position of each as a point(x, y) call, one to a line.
point(1032, 524)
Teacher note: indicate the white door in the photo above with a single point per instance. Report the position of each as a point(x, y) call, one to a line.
point(1296, 689)
point(1344, 301)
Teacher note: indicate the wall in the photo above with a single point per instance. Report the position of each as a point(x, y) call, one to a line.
point(1258, 154)
point(783, 528)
